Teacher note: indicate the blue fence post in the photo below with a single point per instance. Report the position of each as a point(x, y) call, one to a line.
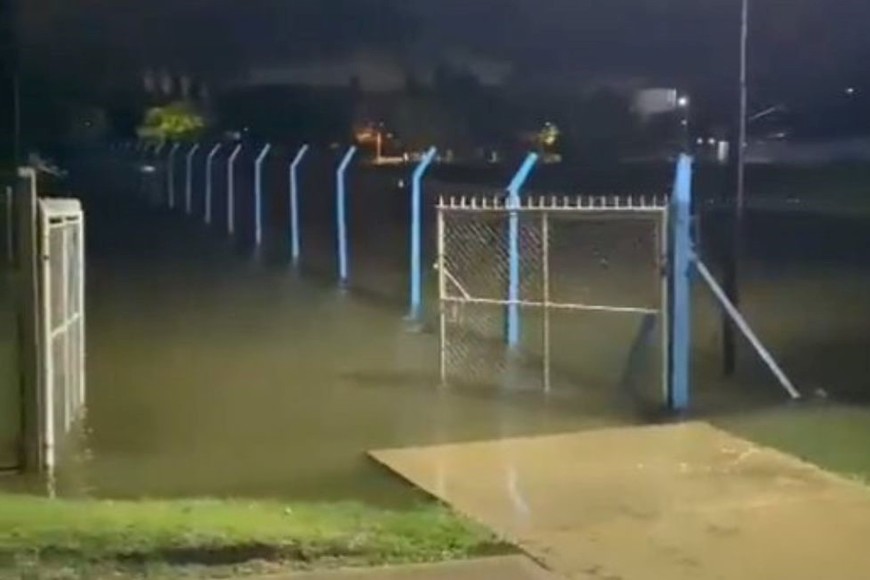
point(294, 204)
point(341, 214)
point(681, 316)
point(258, 194)
point(512, 331)
point(416, 312)
point(170, 174)
point(209, 161)
point(231, 189)
point(188, 199)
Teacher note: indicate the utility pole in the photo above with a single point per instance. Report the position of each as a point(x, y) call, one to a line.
point(732, 270)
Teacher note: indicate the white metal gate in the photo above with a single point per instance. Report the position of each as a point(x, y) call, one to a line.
point(561, 247)
point(62, 320)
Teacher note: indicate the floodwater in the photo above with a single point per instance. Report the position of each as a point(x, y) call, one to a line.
point(216, 370)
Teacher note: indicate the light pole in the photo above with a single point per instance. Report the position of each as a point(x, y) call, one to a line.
point(684, 104)
point(732, 288)
point(744, 106)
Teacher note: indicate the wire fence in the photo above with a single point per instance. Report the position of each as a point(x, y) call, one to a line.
point(578, 259)
point(365, 227)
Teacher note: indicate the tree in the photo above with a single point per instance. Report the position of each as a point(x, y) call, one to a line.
point(178, 120)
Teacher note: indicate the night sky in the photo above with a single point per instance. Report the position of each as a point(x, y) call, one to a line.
point(797, 44)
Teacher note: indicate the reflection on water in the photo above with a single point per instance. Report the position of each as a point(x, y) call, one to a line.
point(214, 374)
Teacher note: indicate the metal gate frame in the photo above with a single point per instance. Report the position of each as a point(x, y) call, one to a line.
point(654, 209)
point(61, 321)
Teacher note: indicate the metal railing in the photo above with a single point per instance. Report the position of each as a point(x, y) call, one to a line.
point(62, 321)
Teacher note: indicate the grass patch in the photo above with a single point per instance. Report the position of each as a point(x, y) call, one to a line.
point(85, 538)
point(831, 436)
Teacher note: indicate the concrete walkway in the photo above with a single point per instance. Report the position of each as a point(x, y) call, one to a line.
point(504, 568)
point(681, 502)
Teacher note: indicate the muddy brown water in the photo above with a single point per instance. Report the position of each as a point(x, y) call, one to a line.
point(215, 370)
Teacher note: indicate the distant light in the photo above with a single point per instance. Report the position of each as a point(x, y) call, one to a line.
point(711, 141)
point(683, 102)
point(851, 91)
point(700, 140)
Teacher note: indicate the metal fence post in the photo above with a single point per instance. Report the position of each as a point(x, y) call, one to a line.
point(209, 181)
point(32, 452)
point(170, 173)
point(416, 312)
point(258, 194)
point(188, 198)
point(681, 315)
point(294, 203)
point(231, 189)
point(513, 203)
point(341, 214)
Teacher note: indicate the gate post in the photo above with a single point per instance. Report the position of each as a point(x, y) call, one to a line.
point(681, 308)
point(416, 311)
point(341, 214)
point(31, 449)
point(294, 204)
point(512, 330)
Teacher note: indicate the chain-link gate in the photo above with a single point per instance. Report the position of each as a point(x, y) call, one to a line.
point(62, 319)
point(574, 257)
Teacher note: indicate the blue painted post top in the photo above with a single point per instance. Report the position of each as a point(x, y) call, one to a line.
point(425, 162)
point(348, 157)
point(299, 156)
point(263, 152)
point(416, 300)
point(522, 175)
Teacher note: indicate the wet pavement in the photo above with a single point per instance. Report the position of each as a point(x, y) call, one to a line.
point(685, 501)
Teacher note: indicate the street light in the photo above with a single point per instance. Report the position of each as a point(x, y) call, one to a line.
point(684, 104)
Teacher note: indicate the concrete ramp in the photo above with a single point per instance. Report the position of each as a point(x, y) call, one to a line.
point(671, 502)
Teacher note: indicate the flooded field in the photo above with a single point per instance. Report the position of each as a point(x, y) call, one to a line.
point(217, 370)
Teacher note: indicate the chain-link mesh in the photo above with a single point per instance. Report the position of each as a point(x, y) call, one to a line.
point(576, 268)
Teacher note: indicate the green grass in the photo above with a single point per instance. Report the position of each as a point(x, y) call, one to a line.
point(834, 437)
point(83, 537)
